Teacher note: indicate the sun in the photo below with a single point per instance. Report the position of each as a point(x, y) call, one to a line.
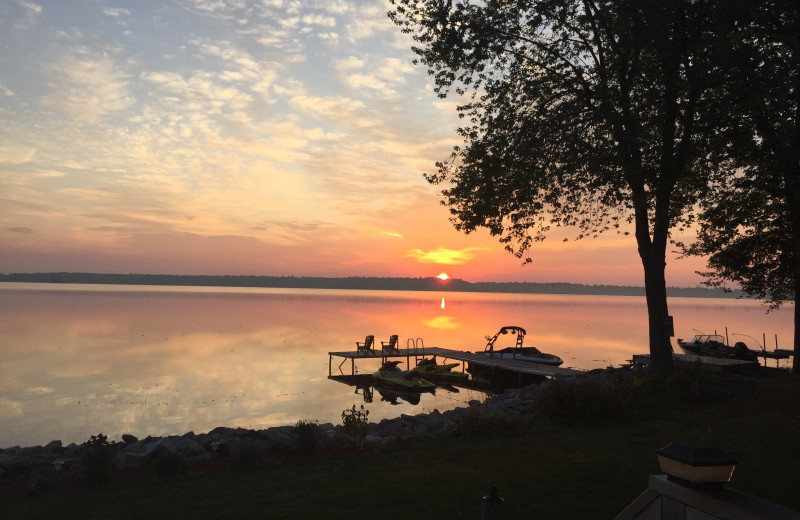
point(443, 276)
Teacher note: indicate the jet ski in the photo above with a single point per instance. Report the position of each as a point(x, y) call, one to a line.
point(391, 376)
point(430, 370)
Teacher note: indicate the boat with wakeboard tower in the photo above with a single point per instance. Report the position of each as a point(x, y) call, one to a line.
point(391, 376)
point(518, 351)
point(714, 345)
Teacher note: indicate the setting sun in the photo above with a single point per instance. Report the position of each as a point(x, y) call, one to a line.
point(443, 276)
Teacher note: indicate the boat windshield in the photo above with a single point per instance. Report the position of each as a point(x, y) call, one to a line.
point(709, 338)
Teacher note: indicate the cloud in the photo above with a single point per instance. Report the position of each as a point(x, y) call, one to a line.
point(115, 11)
point(88, 83)
point(31, 14)
point(320, 20)
point(14, 154)
point(444, 256)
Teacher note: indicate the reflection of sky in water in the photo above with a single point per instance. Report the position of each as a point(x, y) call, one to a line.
point(77, 361)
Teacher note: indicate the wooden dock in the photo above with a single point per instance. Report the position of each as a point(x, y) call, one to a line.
point(475, 360)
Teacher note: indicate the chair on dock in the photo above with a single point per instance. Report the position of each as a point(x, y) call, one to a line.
point(391, 346)
point(368, 345)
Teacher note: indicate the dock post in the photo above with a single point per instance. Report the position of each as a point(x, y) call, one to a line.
point(492, 506)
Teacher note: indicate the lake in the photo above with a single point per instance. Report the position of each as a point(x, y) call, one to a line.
point(79, 360)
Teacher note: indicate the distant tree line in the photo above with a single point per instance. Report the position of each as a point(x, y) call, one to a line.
point(356, 282)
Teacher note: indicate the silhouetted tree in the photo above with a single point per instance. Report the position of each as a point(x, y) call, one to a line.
point(750, 232)
point(583, 113)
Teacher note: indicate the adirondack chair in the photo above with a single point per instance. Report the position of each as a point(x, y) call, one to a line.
point(391, 346)
point(367, 346)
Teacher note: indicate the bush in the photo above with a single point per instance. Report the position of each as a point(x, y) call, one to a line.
point(356, 423)
point(306, 436)
point(599, 399)
point(589, 400)
point(97, 459)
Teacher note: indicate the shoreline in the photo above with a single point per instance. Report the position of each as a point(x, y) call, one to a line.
point(222, 442)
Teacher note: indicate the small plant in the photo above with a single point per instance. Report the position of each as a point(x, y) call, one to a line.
point(356, 423)
point(306, 436)
point(97, 459)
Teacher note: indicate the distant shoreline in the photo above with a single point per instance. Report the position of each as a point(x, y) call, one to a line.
point(359, 282)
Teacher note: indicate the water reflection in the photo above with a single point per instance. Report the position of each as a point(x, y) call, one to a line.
point(78, 360)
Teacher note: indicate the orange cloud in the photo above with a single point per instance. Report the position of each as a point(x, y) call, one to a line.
point(444, 256)
point(392, 234)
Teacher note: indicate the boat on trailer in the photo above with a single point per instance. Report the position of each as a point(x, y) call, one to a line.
point(518, 351)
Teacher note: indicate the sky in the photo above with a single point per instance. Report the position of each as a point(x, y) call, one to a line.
point(263, 137)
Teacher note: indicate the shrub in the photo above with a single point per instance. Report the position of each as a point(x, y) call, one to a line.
point(306, 436)
point(586, 399)
point(97, 459)
point(356, 423)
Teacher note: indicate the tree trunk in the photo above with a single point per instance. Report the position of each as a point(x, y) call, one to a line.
point(654, 260)
point(657, 311)
point(796, 359)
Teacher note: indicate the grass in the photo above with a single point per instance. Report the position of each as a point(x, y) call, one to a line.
point(573, 466)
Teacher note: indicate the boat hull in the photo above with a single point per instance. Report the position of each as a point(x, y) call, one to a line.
point(531, 357)
point(433, 372)
point(716, 350)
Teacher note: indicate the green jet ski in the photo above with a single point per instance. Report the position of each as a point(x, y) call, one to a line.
point(432, 371)
point(391, 376)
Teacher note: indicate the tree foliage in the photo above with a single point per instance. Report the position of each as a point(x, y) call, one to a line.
point(751, 231)
point(579, 113)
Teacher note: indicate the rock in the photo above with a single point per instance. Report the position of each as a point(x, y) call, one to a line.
point(7, 461)
point(53, 446)
point(129, 460)
point(188, 446)
point(161, 445)
point(373, 439)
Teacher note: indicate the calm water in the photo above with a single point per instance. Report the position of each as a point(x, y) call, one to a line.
point(81, 360)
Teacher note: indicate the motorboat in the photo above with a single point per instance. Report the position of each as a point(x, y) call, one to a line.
point(714, 345)
point(430, 370)
point(519, 352)
point(391, 376)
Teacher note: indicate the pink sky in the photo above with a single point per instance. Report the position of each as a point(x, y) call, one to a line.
point(241, 138)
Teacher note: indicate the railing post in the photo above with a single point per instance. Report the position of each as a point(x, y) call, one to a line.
point(492, 506)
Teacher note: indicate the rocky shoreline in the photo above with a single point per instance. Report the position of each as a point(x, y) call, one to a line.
point(39, 465)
